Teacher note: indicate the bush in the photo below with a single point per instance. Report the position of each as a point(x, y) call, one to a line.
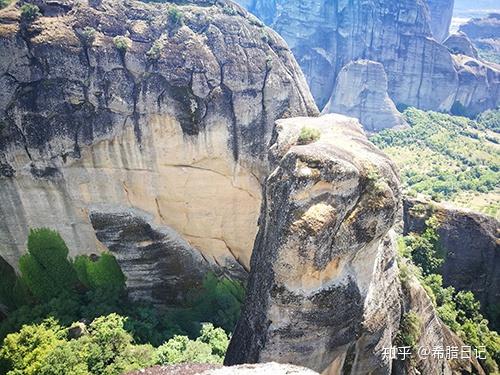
point(210, 347)
point(4, 3)
point(175, 17)
point(45, 269)
point(121, 43)
point(409, 330)
point(29, 12)
point(154, 52)
point(101, 273)
point(308, 135)
point(88, 35)
point(490, 120)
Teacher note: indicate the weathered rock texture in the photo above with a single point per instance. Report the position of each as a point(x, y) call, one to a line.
point(471, 242)
point(460, 44)
point(176, 126)
point(324, 291)
point(440, 12)
point(326, 35)
point(361, 92)
point(319, 261)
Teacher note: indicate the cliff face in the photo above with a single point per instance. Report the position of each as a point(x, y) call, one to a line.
point(326, 35)
point(324, 290)
point(361, 92)
point(485, 34)
point(440, 14)
point(141, 127)
point(471, 245)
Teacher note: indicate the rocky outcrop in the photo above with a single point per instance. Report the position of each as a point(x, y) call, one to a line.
point(325, 36)
point(361, 92)
point(440, 12)
point(460, 44)
point(144, 123)
point(485, 34)
point(324, 290)
point(471, 245)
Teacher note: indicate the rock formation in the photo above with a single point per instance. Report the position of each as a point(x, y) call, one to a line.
point(325, 36)
point(485, 34)
point(361, 92)
point(471, 244)
point(143, 122)
point(324, 290)
point(440, 12)
point(460, 44)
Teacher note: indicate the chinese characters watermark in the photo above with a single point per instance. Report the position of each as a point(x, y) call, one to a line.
point(438, 352)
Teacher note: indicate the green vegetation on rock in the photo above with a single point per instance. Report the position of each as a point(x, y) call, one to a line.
point(308, 135)
point(421, 258)
point(29, 12)
point(448, 157)
point(53, 295)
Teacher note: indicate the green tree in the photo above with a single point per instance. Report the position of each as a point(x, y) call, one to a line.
point(25, 351)
point(45, 269)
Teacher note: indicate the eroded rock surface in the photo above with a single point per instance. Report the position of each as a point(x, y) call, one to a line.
point(361, 92)
point(460, 44)
point(471, 244)
point(117, 103)
point(326, 35)
point(319, 262)
point(441, 12)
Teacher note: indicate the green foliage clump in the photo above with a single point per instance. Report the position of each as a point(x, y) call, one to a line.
point(209, 347)
point(154, 52)
point(447, 157)
point(121, 43)
point(4, 3)
point(409, 330)
point(425, 250)
point(29, 12)
point(219, 302)
point(101, 273)
point(121, 334)
point(490, 120)
point(105, 348)
point(45, 269)
point(458, 310)
point(25, 351)
point(308, 135)
point(88, 35)
point(175, 17)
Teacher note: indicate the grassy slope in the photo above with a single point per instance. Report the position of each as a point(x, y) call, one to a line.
point(447, 157)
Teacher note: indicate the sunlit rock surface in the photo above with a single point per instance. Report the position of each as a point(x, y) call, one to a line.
point(175, 126)
point(327, 35)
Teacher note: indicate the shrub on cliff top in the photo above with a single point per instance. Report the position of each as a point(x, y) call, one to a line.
point(308, 135)
point(29, 12)
point(175, 17)
point(121, 43)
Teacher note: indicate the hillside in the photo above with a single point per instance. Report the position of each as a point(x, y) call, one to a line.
point(448, 157)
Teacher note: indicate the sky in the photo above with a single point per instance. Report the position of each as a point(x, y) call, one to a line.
point(466, 9)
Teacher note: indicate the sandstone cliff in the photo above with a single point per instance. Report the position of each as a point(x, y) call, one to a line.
point(324, 290)
point(326, 35)
point(471, 245)
point(142, 128)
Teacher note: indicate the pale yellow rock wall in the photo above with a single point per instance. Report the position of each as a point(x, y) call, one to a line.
point(190, 183)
